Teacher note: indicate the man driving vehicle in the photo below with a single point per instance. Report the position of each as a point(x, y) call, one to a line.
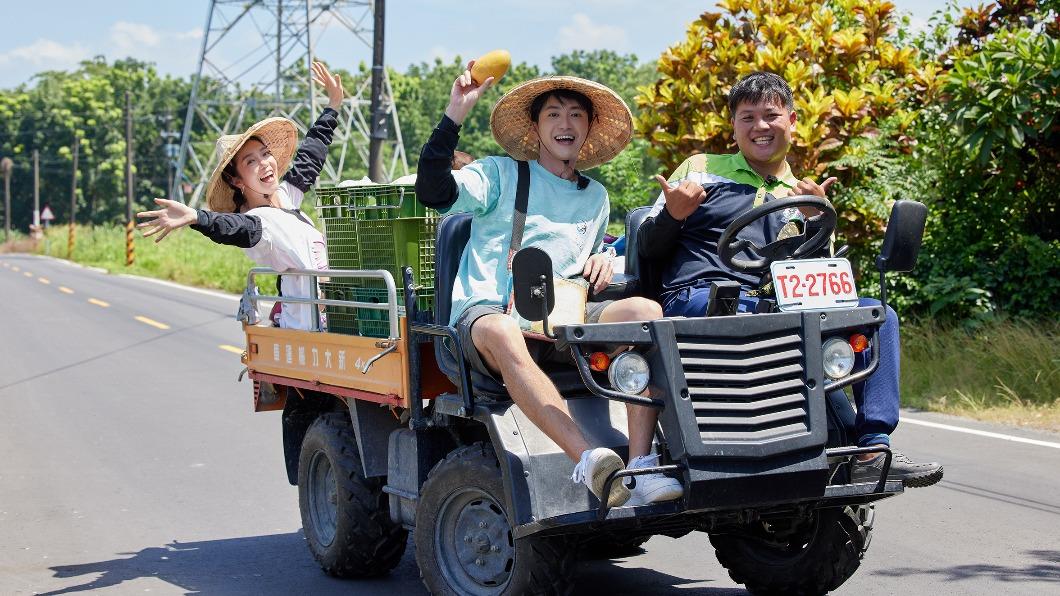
point(708, 192)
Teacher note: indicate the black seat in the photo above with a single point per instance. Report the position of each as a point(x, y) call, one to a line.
point(647, 271)
point(453, 234)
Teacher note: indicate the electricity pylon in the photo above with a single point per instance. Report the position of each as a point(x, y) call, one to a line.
point(255, 62)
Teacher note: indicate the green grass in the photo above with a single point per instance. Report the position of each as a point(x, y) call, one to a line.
point(1005, 370)
point(184, 256)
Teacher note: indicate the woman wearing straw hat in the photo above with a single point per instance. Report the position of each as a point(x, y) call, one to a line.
point(254, 198)
point(555, 125)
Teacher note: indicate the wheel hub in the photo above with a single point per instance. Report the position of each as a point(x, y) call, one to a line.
point(323, 498)
point(476, 538)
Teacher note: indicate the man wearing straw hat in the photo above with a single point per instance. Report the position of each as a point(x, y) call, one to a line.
point(555, 125)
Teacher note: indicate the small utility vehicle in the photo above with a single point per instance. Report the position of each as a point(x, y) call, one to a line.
point(386, 436)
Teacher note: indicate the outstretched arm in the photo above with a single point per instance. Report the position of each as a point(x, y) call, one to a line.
point(307, 163)
point(234, 229)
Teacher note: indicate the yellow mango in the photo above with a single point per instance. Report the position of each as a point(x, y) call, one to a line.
point(493, 64)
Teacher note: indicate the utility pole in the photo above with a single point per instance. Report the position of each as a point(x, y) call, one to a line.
point(129, 254)
point(171, 149)
point(5, 168)
point(36, 188)
point(73, 202)
point(378, 132)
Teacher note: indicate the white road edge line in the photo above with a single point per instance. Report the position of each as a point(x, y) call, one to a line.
point(981, 433)
point(172, 284)
point(164, 282)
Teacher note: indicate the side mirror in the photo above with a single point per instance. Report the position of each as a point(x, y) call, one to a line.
point(905, 232)
point(535, 295)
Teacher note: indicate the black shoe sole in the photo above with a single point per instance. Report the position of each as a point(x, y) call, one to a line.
point(920, 481)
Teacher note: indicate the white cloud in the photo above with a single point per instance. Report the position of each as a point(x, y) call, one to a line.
point(46, 54)
point(175, 52)
point(125, 36)
point(584, 34)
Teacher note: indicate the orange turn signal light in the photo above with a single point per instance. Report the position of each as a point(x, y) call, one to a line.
point(859, 343)
point(599, 361)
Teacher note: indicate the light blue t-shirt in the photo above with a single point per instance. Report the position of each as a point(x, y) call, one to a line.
point(565, 222)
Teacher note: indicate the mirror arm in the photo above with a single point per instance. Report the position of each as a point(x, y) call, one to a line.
point(883, 288)
point(542, 290)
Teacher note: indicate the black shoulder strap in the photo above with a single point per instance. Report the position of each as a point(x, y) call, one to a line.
point(522, 201)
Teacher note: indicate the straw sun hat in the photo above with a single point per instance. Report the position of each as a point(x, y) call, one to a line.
point(278, 134)
point(609, 133)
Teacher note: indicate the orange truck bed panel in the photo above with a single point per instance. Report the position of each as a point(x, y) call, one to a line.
point(330, 359)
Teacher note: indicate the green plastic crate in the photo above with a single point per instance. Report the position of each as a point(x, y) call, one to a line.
point(373, 201)
point(376, 227)
point(379, 227)
point(367, 322)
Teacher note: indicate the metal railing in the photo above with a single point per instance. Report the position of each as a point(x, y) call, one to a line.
point(391, 306)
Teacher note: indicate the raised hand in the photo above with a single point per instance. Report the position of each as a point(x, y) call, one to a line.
point(683, 199)
point(465, 94)
point(807, 186)
point(332, 84)
point(172, 216)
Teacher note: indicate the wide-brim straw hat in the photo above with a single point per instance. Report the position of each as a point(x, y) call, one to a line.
point(609, 132)
point(278, 134)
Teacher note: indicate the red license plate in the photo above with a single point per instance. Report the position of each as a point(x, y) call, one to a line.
point(814, 284)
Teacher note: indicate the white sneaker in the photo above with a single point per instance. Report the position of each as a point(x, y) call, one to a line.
point(651, 488)
point(595, 467)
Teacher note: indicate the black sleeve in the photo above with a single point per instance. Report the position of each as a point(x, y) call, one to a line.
point(658, 235)
point(233, 229)
point(307, 163)
point(435, 186)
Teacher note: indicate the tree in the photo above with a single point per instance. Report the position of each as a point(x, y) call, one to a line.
point(840, 57)
point(56, 108)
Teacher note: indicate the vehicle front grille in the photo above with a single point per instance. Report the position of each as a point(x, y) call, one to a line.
point(749, 388)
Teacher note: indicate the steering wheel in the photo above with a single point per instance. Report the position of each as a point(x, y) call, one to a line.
point(789, 248)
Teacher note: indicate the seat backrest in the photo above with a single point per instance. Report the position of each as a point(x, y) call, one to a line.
point(453, 234)
point(646, 270)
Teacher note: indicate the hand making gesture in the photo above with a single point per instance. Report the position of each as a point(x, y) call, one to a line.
point(172, 216)
point(682, 199)
point(807, 186)
point(332, 85)
point(465, 94)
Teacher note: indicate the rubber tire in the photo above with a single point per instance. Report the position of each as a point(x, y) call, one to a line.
point(543, 565)
point(367, 542)
point(831, 556)
point(611, 547)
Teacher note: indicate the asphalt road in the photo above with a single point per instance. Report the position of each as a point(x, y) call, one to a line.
point(132, 462)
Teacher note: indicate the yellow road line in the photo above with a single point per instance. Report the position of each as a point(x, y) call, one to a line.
point(15, 269)
point(232, 349)
point(98, 302)
point(6, 265)
point(151, 322)
point(43, 281)
point(65, 290)
point(27, 274)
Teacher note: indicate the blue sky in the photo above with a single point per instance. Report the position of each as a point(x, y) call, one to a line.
point(57, 34)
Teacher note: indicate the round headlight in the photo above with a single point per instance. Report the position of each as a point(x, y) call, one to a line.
point(629, 373)
point(838, 358)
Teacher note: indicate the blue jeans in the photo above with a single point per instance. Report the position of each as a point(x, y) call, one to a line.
point(876, 398)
